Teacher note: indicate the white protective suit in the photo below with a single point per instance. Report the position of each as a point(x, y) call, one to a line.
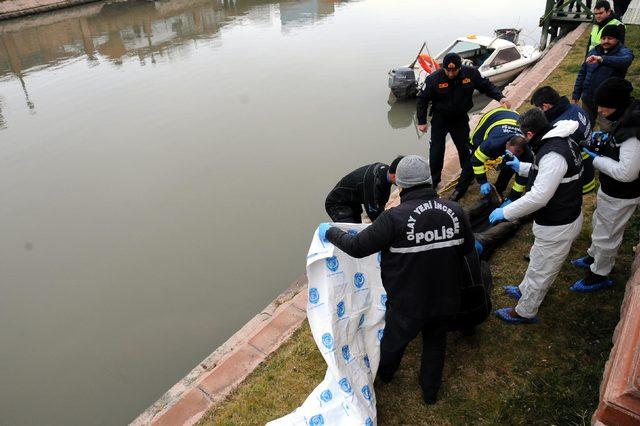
point(612, 214)
point(346, 314)
point(552, 243)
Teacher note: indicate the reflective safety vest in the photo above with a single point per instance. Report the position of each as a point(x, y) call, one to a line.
point(596, 32)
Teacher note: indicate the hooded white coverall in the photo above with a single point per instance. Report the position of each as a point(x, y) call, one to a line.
point(612, 214)
point(552, 243)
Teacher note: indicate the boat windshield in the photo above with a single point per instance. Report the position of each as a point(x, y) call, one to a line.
point(474, 53)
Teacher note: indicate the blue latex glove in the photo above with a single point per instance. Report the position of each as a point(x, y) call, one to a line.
point(479, 247)
point(322, 231)
point(505, 203)
point(485, 188)
point(590, 153)
point(514, 163)
point(496, 216)
point(600, 135)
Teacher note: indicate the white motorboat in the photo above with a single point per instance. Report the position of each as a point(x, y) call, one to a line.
point(500, 58)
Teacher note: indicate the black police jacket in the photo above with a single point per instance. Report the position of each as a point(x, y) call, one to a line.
point(423, 243)
point(366, 186)
point(453, 97)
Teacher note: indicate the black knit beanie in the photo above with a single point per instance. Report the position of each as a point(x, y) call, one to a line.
point(614, 92)
point(611, 31)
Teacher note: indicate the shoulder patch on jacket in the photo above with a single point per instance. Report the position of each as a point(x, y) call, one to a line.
point(443, 85)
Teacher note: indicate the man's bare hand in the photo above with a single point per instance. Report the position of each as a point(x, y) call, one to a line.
point(423, 127)
point(575, 101)
point(593, 59)
point(505, 103)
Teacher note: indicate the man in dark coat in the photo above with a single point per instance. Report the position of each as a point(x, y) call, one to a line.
point(423, 243)
point(367, 186)
point(610, 58)
point(449, 90)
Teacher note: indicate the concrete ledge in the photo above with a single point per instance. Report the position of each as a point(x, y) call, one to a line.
point(16, 8)
point(221, 372)
point(620, 388)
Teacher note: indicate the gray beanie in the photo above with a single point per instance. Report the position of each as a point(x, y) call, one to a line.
point(413, 170)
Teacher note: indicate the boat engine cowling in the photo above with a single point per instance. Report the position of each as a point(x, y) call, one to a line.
point(402, 82)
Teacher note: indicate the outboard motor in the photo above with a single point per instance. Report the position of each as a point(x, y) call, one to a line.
point(402, 82)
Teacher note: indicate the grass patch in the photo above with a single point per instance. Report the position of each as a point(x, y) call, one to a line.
point(547, 373)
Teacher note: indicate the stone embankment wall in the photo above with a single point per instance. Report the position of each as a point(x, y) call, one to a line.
point(222, 371)
point(620, 387)
point(17, 8)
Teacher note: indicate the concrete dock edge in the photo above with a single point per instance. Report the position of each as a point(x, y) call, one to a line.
point(220, 373)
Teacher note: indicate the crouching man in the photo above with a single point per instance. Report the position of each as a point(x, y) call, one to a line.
point(618, 161)
point(423, 243)
point(555, 199)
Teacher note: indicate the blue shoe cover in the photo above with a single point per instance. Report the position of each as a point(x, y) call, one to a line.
point(580, 287)
point(503, 314)
point(580, 263)
point(512, 291)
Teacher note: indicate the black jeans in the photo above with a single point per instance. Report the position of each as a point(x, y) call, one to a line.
point(458, 128)
point(399, 331)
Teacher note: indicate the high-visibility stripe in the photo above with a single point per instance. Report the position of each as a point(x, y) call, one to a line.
point(589, 186)
point(485, 118)
point(506, 121)
point(427, 247)
point(479, 170)
point(571, 178)
point(518, 187)
point(480, 155)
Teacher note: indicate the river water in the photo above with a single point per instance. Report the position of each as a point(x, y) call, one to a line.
point(163, 166)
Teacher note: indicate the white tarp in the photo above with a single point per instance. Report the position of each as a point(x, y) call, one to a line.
point(346, 313)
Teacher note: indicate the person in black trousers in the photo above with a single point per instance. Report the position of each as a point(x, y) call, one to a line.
point(423, 244)
point(449, 90)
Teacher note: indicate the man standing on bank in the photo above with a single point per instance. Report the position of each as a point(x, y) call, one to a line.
point(555, 200)
point(449, 90)
point(367, 186)
point(423, 243)
point(604, 17)
point(618, 161)
point(610, 58)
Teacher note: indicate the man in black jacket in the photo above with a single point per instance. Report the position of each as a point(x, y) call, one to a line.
point(367, 186)
point(618, 161)
point(450, 91)
point(423, 243)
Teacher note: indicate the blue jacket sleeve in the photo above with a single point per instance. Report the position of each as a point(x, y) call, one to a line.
point(577, 87)
point(621, 61)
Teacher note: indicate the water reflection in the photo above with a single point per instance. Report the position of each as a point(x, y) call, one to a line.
point(138, 28)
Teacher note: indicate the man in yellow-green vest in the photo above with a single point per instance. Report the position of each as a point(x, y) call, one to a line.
point(604, 16)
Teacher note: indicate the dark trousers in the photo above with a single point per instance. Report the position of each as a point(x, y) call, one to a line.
point(458, 128)
point(399, 331)
point(620, 7)
point(592, 111)
point(345, 213)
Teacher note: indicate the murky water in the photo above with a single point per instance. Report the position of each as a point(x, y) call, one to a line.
point(163, 166)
